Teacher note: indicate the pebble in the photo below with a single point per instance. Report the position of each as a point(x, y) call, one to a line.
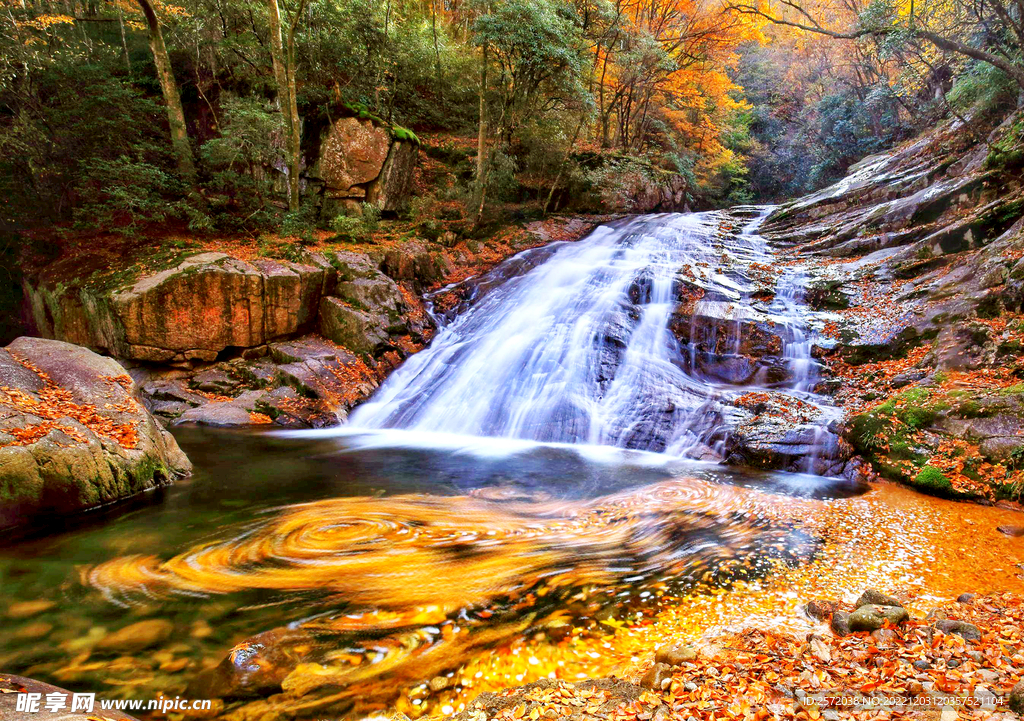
point(201, 630)
point(872, 616)
point(675, 655)
point(27, 609)
point(874, 597)
point(1016, 701)
point(922, 665)
point(821, 610)
point(840, 623)
point(659, 674)
point(967, 631)
point(174, 666)
point(137, 637)
point(966, 597)
point(34, 631)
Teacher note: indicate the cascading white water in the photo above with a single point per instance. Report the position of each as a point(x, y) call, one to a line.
point(580, 348)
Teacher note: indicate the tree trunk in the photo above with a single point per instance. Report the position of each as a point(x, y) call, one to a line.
point(277, 57)
point(481, 142)
point(561, 166)
point(294, 122)
point(175, 114)
point(481, 136)
point(437, 55)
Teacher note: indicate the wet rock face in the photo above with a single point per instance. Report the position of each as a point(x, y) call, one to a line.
point(927, 308)
point(211, 305)
point(307, 382)
point(72, 434)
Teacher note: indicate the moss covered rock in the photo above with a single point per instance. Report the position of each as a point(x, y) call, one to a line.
point(72, 434)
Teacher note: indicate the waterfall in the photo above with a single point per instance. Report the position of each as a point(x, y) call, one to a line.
point(580, 348)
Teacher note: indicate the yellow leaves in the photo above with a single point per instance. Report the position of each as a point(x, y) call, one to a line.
point(46, 21)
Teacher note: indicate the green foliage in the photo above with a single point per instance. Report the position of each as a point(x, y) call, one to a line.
point(539, 46)
point(621, 181)
point(301, 223)
point(800, 141)
point(85, 146)
point(983, 89)
point(357, 228)
point(120, 194)
point(501, 176)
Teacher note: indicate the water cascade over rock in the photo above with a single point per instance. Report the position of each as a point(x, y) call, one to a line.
point(676, 334)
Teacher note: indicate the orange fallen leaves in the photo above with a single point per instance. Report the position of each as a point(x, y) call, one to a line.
point(53, 403)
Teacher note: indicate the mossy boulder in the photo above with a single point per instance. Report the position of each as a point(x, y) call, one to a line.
point(72, 434)
point(872, 617)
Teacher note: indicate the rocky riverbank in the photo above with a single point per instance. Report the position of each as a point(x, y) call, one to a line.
point(226, 337)
point(963, 659)
point(918, 259)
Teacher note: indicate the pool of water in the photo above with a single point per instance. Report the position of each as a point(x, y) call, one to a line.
point(355, 566)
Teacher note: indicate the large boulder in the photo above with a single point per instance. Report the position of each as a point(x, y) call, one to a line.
point(72, 434)
point(187, 313)
point(352, 154)
point(391, 190)
point(365, 307)
point(412, 261)
point(360, 161)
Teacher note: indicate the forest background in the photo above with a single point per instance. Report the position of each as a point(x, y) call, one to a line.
point(141, 116)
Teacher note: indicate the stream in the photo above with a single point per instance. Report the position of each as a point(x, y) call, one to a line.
point(539, 493)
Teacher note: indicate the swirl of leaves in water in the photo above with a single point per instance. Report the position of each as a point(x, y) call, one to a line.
point(422, 581)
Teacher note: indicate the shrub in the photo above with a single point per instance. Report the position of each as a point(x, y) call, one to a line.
point(121, 193)
point(982, 88)
point(932, 480)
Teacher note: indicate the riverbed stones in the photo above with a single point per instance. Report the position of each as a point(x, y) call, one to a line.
point(840, 623)
point(137, 637)
point(1016, 700)
point(257, 666)
point(72, 434)
point(965, 630)
point(675, 654)
point(871, 617)
point(27, 609)
point(657, 677)
point(876, 597)
point(821, 610)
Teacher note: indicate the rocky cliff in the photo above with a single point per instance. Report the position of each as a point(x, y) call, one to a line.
point(919, 257)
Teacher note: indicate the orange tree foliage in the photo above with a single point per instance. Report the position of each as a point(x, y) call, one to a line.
point(666, 63)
